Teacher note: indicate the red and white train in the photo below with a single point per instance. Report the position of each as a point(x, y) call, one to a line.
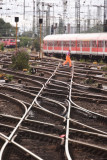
point(79, 44)
point(10, 43)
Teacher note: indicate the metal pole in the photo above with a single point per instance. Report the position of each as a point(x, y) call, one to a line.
point(24, 10)
point(33, 33)
point(24, 15)
point(53, 19)
point(42, 18)
point(16, 36)
point(40, 39)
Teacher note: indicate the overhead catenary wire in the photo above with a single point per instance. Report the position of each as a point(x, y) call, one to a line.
point(9, 9)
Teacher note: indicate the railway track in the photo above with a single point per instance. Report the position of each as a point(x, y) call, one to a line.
point(54, 123)
point(79, 151)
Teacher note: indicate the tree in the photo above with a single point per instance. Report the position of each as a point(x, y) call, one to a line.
point(1, 47)
point(6, 29)
point(36, 44)
point(25, 41)
point(20, 60)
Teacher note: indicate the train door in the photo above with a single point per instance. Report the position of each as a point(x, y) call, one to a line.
point(59, 46)
point(66, 46)
point(85, 47)
point(105, 52)
point(94, 48)
point(78, 47)
point(100, 47)
point(45, 45)
point(90, 53)
point(103, 48)
point(50, 46)
point(55, 46)
point(73, 47)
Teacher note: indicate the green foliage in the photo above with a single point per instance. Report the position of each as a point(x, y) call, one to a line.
point(9, 77)
point(104, 68)
point(1, 47)
point(25, 41)
point(101, 62)
point(20, 60)
point(82, 60)
point(36, 44)
point(6, 29)
point(90, 80)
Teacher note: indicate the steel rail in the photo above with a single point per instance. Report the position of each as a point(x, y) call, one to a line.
point(12, 135)
point(15, 129)
point(40, 122)
point(49, 111)
point(4, 137)
point(20, 75)
point(86, 110)
point(10, 138)
point(59, 81)
point(68, 119)
point(54, 101)
point(90, 145)
point(3, 148)
point(9, 116)
point(25, 114)
point(75, 103)
point(89, 127)
point(44, 87)
point(26, 150)
point(67, 134)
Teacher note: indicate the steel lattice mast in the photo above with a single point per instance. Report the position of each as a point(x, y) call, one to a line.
point(105, 15)
point(33, 34)
point(77, 15)
point(64, 11)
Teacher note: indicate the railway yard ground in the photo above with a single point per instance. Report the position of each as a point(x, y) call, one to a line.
point(54, 113)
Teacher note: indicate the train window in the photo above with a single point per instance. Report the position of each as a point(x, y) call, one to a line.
point(72, 43)
point(66, 44)
point(94, 44)
point(55, 43)
point(78, 43)
point(12, 40)
point(59, 44)
point(45, 43)
point(100, 44)
point(50, 44)
point(105, 44)
point(85, 44)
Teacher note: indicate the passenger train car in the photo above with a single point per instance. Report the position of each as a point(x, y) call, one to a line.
point(79, 44)
point(10, 43)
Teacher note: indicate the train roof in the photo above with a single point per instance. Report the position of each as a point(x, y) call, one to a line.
point(82, 37)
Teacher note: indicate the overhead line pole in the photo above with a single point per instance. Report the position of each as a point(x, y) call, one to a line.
point(24, 14)
point(33, 34)
point(77, 15)
point(105, 16)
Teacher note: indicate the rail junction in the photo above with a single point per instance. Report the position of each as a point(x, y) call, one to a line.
point(54, 113)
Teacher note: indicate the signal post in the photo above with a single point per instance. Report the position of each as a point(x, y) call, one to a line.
point(40, 22)
point(16, 20)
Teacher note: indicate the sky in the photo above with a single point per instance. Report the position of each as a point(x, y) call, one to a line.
point(14, 8)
